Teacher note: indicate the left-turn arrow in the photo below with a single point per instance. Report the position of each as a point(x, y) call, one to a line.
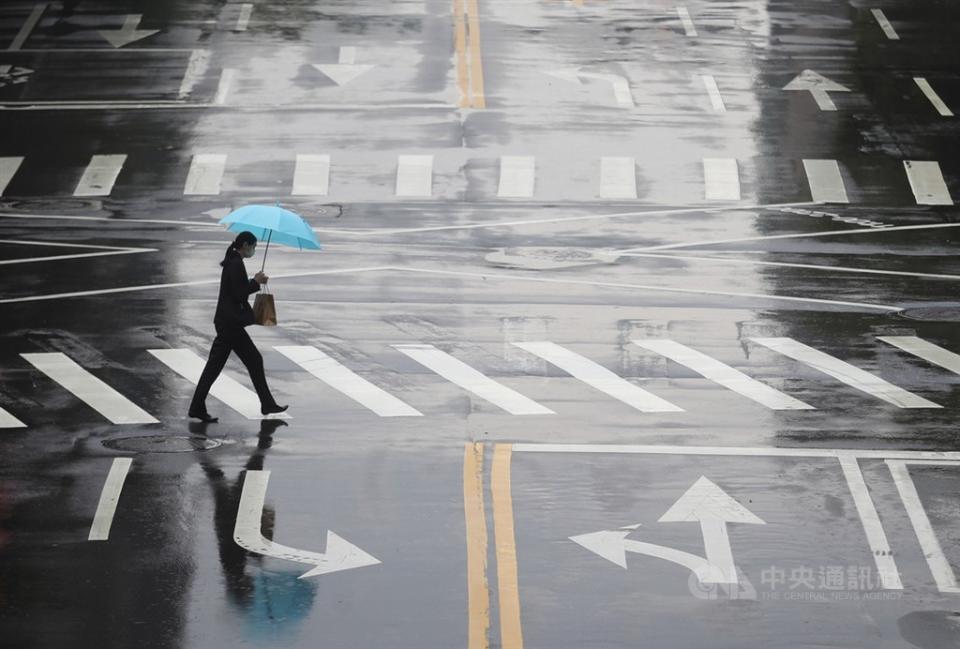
point(128, 33)
point(340, 554)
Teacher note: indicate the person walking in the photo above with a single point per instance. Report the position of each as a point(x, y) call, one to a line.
point(232, 315)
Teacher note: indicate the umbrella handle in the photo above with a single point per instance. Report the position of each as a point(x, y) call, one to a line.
point(264, 264)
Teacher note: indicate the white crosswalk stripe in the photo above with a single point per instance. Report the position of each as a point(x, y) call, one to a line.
point(716, 99)
point(926, 181)
point(415, 176)
point(517, 176)
point(885, 25)
point(100, 175)
point(205, 175)
point(723, 374)
point(9, 421)
point(934, 98)
point(311, 176)
point(618, 177)
point(826, 183)
point(346, 381)
point(598, 377)
point(461, 374)
point(8, 169)
point(847, 373)
point(721, 179)
point(91, 390)
point(925, 350)
point(188, 365)
point(688, 26)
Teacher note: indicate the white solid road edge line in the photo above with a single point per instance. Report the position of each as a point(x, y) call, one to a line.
point(752, 451)
point(109, 496)
point(940, 568)
point(876, 537)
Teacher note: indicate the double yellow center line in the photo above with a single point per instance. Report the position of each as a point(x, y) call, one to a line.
point(466, 36)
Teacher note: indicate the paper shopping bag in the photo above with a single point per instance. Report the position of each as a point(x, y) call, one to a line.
point(264, 310)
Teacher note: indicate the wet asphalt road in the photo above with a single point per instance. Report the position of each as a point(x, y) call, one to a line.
point(643, 349)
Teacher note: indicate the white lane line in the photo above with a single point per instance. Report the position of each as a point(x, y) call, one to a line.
point(311, 175)
point(598, 377)
point(348, 55)
point(940, 568)
point(461, 374)
point(934, 98)
point(346, 381)
point(716, 99)
point(9, 421)
point(243, 20)
point(758, 262)
point(205, 175)
point(517, 176)
point(8, 169)
point(415, 176)
point(876, 537)
point(885, 24)
point(925, 350)
point(927, 182)
point(100, 175)
point(748, 451)
point(91, 390)
point(618, 177)
point(196, 67)
point(846, 373)
point(825, 181)
point(188, 365)
point(109, 496)
point(688, 26)
point(227, 77)
point(721, 373)
point(108, 251)
point(28, 26)
point(721, 179)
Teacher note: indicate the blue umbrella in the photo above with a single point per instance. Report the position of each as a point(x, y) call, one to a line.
point(273, 223)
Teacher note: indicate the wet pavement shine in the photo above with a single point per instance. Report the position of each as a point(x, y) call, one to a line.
point(635, 325)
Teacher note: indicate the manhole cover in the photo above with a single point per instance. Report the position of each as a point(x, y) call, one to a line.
point(933, 313)
point(162, 444)
point(540, 258)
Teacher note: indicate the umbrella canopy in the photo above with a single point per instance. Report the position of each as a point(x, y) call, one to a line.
point(272, 223)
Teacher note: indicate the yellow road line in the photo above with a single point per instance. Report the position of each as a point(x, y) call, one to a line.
point(478, 593)
point(478, 99)
point(460, 41)
point(511, 634)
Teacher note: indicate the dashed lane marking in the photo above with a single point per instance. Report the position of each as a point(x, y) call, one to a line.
point(100, 175)
point(825, 181)
point(414, 176)
point(517, 177)
point(205, 175)
point(885, 24)
point(8, 169)
point(927, 183)
point(934, 98)
point(618, 177)
point(109, 497)
point(716, 99)
point(243, 20)
point(926, 350)
point(688, 26)
point(721, 179)
point(224, 86)
point(28, 26)
point(311, 176)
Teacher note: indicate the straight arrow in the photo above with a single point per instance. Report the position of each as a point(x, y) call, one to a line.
point(340, 554)
point(345, 70)
point(128, 33)
point(621, 86)
point(819, 86)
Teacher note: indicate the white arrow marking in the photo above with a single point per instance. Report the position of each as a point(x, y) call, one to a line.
point(613, 545)
point(340, 554)
point(345, 70)
point(128, 33)
point(709, 505)
point(819, 86)
point(621, 87)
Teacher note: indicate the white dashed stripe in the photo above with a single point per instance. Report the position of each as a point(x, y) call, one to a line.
point(188, 365)
point(205, 175)
point(8, 169)
point(847, 373)
point(688, 26)
point(517, 176)
point(599, 377)
point(934, 98)
point(346, 381)
point(243, 20)
point(885, 24)
point(723, 374)
point(100, 175)
point(716, 100)
point(925, 350)
point(415, 176)
point(91, 390)
point(721, 178)
point(9, 421)
point(469, 379)
point(618, 177)
point(109, 497)
point(926, 181)
point(826, 183)
point(311, 176)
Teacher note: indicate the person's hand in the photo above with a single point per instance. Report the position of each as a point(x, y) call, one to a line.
point(261, 278)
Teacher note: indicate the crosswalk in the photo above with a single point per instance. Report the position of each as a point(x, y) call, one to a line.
point(518, 177)
point(601, 382)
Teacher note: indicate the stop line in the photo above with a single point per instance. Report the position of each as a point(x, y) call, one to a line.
point(121, 410)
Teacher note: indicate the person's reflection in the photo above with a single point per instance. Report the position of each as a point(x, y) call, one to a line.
point(267, 599)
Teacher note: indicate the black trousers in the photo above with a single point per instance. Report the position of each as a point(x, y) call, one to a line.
point(231, 339)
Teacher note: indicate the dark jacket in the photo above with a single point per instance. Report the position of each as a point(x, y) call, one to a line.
point(233, 307)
